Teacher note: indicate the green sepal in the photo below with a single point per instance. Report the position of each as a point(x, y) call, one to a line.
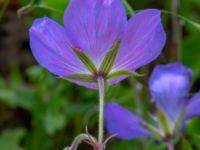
point(154, 131)
point(179, 122)
point(87, 62)
point(164, 123)
point(109, 59)
point(81, 77)
point(123, 73)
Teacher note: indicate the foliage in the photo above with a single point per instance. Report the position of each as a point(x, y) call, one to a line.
point(10, 139)
point(59, 110)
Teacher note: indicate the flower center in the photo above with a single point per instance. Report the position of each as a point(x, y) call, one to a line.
point(100, 73)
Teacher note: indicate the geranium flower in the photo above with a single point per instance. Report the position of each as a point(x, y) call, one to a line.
point(97, 41)
point(169, 85)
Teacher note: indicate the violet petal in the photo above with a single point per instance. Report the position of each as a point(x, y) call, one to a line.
point(94, 25)
point(143, 40)
point(123, 123)
point(193, 107)
point(49, 47)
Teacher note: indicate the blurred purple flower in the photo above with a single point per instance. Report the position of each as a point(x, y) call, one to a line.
point(93, 27)
point(123, 123)
point(169, 85)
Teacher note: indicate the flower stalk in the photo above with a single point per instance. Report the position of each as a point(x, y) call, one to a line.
point(170, 146)
point(81, 138)
point(101, 86)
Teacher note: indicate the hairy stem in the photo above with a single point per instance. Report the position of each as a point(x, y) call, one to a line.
point(79, 139)
point(101, 85)
point(170, 146)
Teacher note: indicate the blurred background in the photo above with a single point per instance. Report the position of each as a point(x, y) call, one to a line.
point(38, 111)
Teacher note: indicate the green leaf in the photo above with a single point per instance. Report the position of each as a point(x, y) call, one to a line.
point(58, 5)
point(191, 53)
point(10, 139)
point(54, 122)
point(16, 76)
point(81, 77)
point(17, 98)
point(123, 73)
point(126, 145)
point(109, 59)
point(87, 62)
point(58, 9)
point(193, 127)
point(35, 73)
point(195, 140)
point(185, 144)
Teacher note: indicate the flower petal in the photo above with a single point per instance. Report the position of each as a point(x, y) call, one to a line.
point(142, 42)
point(169, 85)
point(193, 107)
point(94, 25)
point(123, 123)
point(116, 80)
point(87, 85)
point(49, 47)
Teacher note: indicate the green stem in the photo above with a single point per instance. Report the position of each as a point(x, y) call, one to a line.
point(29, 7)
point(194, 24)
point(101, 85)
point(128, 7)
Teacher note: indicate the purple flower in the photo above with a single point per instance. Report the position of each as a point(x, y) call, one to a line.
point(169, 86)
point(91, 30)
point(123, 123)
